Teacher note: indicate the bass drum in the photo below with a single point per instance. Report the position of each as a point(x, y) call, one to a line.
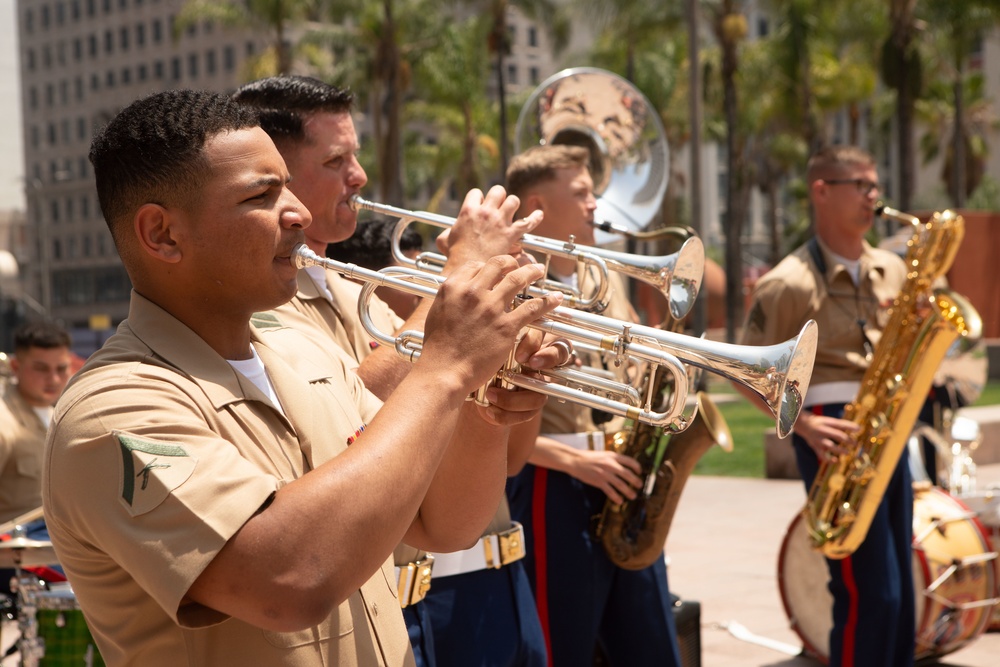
point(953, 573)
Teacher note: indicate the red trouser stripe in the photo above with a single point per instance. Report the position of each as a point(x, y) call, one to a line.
point(541, 555)
point(851, 626)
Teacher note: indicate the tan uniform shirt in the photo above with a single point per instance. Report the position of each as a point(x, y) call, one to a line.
point(158, 453)
point(22, 436)
point(338, 319)
point(794, 291)
point(311, 312)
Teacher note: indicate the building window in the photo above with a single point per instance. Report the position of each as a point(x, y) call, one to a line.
point(512, 34)
point(29, 21)
point(109, 41)
point(81, 128)
point(54, 210)
point(123, 38)
point(60, 13)
point(56, 249)
point(126, 76)
point(512, 74)
point(158, 70)
point(532, 36)
point(175, 69)
point(229, 58)
point(64, 93)
point(533, 75)
point(77, 49)
point(78, 88)
point(95, 82)
point(193, 65)
point(75, 9)
point(85, 207)
point(35, 136)
point(53, 138)
point(29, 59)
point(140, 35)
point(45, 17)
point(210, 62)
point(91, 8)
point(109, 79)
point(157, 31)
point(32, 98)
point(142, 72)
point(92, 46)
point(84, 167)
point(46, 57)
point(50, 96)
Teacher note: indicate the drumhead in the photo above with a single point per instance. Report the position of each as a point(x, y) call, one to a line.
point(803, 582)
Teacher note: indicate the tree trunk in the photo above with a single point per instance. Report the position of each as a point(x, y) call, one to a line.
point(390, 149)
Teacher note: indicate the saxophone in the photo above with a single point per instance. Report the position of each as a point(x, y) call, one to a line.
point(633, 533)
point(923, 324)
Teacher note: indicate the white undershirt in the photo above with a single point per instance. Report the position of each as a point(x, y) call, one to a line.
point(318, 275)
point(253, 370)
point(853, 267)
point(44, 413)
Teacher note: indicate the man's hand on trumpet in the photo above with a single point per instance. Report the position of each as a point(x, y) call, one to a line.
point(485, 227)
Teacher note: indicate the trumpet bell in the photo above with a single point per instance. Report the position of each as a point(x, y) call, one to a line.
point(609, 116)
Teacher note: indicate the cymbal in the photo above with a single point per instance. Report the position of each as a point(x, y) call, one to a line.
point(27, 517)
point(25, 552)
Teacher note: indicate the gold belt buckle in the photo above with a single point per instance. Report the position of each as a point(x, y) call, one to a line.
point(415, 581)
point(509, 544)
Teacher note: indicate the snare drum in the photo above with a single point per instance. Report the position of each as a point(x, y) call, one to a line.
point(61, 625)
point(953, 575)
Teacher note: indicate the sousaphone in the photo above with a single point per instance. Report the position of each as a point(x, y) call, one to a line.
point(610, 117)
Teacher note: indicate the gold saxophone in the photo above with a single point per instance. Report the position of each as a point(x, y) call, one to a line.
point(923, 324)
point(633, 533)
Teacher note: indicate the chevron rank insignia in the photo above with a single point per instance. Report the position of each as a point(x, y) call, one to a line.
point(151, 470)
point(265, 321)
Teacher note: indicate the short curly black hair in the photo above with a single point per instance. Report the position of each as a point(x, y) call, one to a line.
point(151, 151)
point(284, 103)
point(43, 334)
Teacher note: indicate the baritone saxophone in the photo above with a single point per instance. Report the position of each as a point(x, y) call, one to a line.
point(923, 324)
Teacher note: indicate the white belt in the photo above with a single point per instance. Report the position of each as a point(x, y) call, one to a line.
point(492, 551)
point(413, 580)
point(831, 392)
point(590, 440)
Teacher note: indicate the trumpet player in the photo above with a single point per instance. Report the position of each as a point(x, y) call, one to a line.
point(847, 286)
point(585, 601)
point(310, 122)
point(224, 494)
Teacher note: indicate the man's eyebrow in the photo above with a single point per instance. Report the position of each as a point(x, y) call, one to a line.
point(266, 181)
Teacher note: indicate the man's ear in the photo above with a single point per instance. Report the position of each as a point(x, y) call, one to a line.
point(155, 233)
point(532, 202)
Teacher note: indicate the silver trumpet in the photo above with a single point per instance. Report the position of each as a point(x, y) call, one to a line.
point(677, 276)
point(779, 374)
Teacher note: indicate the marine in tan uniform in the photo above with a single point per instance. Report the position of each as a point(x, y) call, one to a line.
point(847, 286)
point(584, 600)
point(40, 369)
point(221, 494)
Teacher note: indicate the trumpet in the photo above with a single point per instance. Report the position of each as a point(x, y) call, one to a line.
point(676, 276)
point(779, 374)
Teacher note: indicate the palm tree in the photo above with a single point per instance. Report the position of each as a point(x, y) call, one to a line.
point(962, 24)
point(548, 13)
point(902, 70)
point(274, 16)
point(384, 39)
point(451, 77)
point(729, 26)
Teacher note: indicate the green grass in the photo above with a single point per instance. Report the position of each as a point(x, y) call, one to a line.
point(748, 425)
